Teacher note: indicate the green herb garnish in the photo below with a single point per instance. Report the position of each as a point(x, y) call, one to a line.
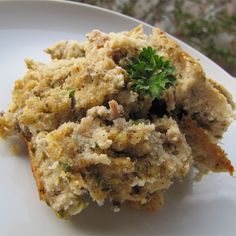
point(72, 94)
point(150, 73)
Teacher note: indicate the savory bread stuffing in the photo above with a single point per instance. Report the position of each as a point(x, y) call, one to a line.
point(106, 157)
point(117, 118)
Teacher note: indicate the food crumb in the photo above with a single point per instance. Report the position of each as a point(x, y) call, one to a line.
point(16, 149)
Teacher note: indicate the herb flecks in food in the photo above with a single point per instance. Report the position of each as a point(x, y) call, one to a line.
point(150, 73)
point(72, 98)
point(66, 166)
point(72, 94)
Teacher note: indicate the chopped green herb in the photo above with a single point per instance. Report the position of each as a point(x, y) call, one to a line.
point(135, 122)
point(150, 73)
point(96, 144)
point(66, 166)
point(61, 213)
point(99, 180)
point(72, 94)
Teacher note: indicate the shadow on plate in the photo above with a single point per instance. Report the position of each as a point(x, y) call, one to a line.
point(102, 221)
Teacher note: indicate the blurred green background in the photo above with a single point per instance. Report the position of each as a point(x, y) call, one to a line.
point(209, 26)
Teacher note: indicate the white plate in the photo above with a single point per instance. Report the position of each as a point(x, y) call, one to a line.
point(200, 208)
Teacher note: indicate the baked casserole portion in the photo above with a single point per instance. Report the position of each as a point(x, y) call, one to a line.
point(117, 118)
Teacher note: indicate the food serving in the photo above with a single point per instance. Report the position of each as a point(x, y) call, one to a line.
point(117, 118)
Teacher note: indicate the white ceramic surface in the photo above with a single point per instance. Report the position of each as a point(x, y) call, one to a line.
point(192, 208)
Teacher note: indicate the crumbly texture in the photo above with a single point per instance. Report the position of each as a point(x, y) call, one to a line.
point(90, 135)
point(122, 161)
point(208, 103)
point(206, 153)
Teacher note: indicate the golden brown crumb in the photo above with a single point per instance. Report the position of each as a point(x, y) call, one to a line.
point(16, 148)
point(205, 152)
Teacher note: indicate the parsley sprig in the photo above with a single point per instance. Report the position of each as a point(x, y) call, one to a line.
point(150, 73)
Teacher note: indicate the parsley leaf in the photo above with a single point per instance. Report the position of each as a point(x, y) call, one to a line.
point(72, 94)
point(150, 73)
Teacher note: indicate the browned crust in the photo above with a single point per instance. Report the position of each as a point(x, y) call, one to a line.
point(36, 172)
point(224, 92)
point(204, 150)
point(153, 205)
